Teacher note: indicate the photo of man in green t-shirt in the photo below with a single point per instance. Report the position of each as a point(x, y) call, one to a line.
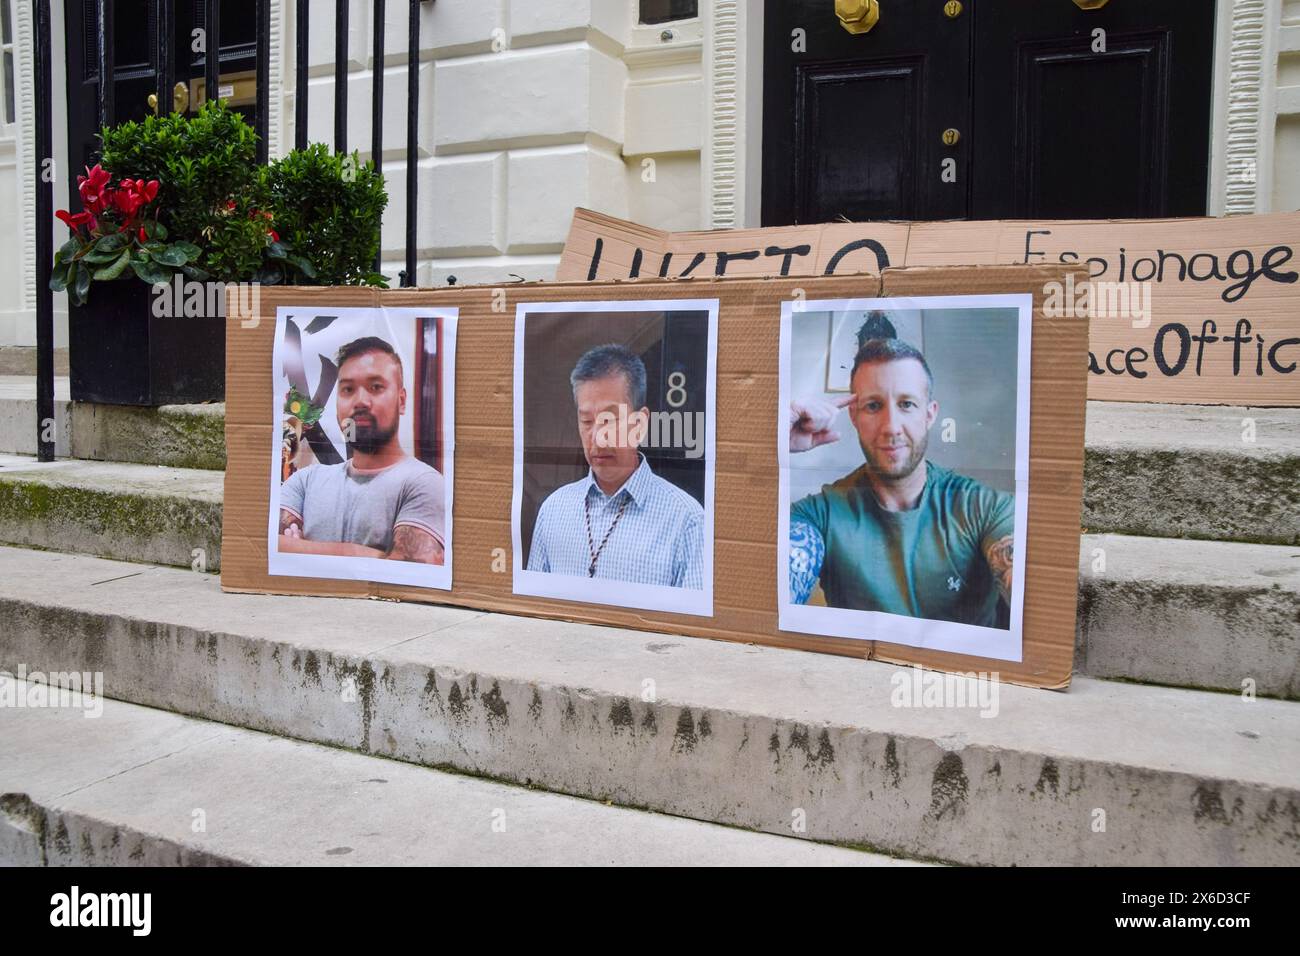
point(900, 534)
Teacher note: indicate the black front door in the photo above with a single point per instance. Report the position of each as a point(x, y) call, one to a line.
point(852, 125)
point(987, 109)
point(134, 57)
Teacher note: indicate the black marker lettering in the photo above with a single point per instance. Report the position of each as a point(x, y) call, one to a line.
point(789, 253)
point(882, 257)
point(725, 257)
point(1184, 343)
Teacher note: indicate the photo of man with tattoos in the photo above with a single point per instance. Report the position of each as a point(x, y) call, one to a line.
point(901, 534)
point(364, 484)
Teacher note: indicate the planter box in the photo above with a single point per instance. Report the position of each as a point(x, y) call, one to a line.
point(120, 353)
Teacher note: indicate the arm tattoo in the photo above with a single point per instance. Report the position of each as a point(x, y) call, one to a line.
point(287, 518)
point(1001, 563)
point(413, 544)
point(807, 552)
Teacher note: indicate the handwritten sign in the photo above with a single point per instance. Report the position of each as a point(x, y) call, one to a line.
point(1195, 311)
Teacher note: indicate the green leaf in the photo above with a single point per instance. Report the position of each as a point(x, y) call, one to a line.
point(67, 250)
point(304, 266)
point(195, 273)
point(155, 230)
point(276, 250)
point(97, 256)
point(113, 242)
point(59, 277)
point(117, 268)
point(83, 283)
point(191, 251)
point(170, 256)
point(150, 272)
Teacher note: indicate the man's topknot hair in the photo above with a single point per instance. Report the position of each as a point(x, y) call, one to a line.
point(878, 341)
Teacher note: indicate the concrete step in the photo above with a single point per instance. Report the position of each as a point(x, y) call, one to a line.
point(1108, 773)
point(18, 415)
point(136, 786)
point(1171, 471)
point(130, 512)
point(1210, 614)
point(178, 436)
point(1188, 613)
point(1193, 471)
point(21, 360)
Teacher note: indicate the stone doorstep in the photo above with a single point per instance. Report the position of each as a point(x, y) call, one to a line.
point(1180, 612)
point(734, 734)
point(179, 436)
point(1173, 471)
point(128, 787)
point(112, 509)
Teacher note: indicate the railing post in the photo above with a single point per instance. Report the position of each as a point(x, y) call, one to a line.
point(377, 106)
point(212, 48)
point(165, 54)
point(44, 237)
point(104, 61)
point(412, 133)
point(300, 68)
point(340, 76)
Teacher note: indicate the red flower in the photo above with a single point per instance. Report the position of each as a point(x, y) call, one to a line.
point(143, 236)
point(75, 220)
point(91, 187)
point(275, 236)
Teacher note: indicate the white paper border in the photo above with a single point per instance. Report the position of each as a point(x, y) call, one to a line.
point(647, 597)
point(340, 567)
point(958, 638)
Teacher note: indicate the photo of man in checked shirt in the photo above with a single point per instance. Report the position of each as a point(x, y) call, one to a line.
point(621, 520)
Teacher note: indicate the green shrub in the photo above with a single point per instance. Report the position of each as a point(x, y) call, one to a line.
point(329, 207)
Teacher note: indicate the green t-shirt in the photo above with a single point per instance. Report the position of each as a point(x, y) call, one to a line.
point(928, 562)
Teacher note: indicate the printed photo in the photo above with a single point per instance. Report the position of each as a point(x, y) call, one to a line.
point(614, 453)
point(361, 456)
point(904, 470)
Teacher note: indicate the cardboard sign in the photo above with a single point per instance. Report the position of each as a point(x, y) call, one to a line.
point(1195, 311)
point(745, 571)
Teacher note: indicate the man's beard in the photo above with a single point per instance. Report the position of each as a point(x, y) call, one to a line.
point(370, 438)
point(902, 470)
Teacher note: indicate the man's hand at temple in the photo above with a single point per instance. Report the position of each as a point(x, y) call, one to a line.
point(811, 420)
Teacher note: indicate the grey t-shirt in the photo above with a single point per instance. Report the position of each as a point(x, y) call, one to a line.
point(341, 503)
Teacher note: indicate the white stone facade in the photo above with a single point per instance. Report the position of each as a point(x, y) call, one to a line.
point(531, 107)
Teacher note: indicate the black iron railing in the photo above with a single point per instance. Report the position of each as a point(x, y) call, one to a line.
point(165, 65)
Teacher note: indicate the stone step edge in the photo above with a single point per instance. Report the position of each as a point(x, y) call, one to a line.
point(142, 750)
point(467, 733)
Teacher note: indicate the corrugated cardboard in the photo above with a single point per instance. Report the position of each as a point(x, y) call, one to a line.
point(1202, 271)
point(746, 479)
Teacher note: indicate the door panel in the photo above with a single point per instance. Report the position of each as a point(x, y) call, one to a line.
point(852, 124)
point(1066, 130)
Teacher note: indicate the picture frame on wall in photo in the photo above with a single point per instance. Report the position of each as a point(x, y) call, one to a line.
point(903, 499)
point(614, 461)
point(362, 458)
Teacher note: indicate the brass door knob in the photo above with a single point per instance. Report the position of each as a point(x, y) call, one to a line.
point(857, 16)
point(1090, 4)
point(952, 9)
point(180, 99)
point(950, 137)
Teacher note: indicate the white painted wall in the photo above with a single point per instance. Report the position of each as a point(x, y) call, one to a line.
point(572, 102)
